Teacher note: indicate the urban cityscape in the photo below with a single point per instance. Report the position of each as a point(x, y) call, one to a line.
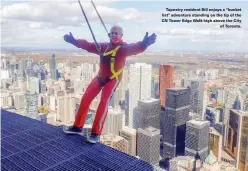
point(176, 111)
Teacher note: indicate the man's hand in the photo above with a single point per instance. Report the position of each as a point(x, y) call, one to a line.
point(148, 40)
point(70, 39)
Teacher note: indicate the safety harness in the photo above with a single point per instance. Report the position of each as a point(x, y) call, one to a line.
point(112, 67)
point(112, 52)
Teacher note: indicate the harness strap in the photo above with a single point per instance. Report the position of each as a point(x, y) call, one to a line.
point(113, 52)
point(112, 67)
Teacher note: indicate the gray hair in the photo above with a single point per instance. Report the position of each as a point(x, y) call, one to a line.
point(117, 26)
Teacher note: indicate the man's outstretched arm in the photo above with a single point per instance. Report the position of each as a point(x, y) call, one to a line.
point(81, 43)
point(133, 49)
point(84, 44)
point(141, 46)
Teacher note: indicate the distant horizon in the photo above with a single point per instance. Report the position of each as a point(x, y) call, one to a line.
point(26, 48)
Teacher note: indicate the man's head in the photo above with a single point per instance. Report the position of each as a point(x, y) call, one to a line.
point(115, 34)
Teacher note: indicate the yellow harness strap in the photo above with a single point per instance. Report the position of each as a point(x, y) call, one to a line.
point(112, 63)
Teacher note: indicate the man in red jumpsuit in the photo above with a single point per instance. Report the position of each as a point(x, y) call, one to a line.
point(108, 78)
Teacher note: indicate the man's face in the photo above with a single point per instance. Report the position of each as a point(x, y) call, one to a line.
point(115, 35)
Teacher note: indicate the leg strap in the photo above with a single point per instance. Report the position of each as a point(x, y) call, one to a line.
point(101, 82)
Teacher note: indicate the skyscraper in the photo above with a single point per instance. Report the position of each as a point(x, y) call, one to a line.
point(166, 78)
point(173, 121)
point(238, 104)
point(237, 139)
point(125, 106)
point(53, 69)
point(61, 109)
point(87, 73)
point(34, 84)
point(42, 86)
point(113, 123)
point(120, 144)
point(148, 143)
point(140, 86)
point(197, 138)
point(78, 85)
point(12, 71)
point(117, 142)
point(215, 143)
point(220, 96)
point(5, 74)
point(4, 63)
point(21, 67)
point(31, 104)
point(130, 135)
point(21, 84)
point(123, 85)
point(52, 104)
point(19, 101)
point(147, 113)
point(213, 114)
point(66, 105)
point(5, 100)
point(229, 102)
point(197, 96)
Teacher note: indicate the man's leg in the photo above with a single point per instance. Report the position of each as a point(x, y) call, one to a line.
point(91, 92)
point(107, 92)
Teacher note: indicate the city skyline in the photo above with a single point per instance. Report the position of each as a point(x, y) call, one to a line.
point(50, 91)
point(181, 105)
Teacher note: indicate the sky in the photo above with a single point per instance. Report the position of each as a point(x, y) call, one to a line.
point(43, 23)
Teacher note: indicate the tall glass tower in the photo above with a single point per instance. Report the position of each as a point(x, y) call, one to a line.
point(53, 68)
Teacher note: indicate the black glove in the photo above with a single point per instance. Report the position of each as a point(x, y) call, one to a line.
point(148, 40)
point(70, 39)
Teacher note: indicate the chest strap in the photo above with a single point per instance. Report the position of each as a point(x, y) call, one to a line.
point(112, 63)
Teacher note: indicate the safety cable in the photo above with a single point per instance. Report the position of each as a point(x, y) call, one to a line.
point(100, 17)
point(97, 45)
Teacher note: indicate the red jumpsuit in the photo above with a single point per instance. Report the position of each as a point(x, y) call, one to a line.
point(104, 72)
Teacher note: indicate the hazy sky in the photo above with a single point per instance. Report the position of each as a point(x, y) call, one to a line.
point(43, 23)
